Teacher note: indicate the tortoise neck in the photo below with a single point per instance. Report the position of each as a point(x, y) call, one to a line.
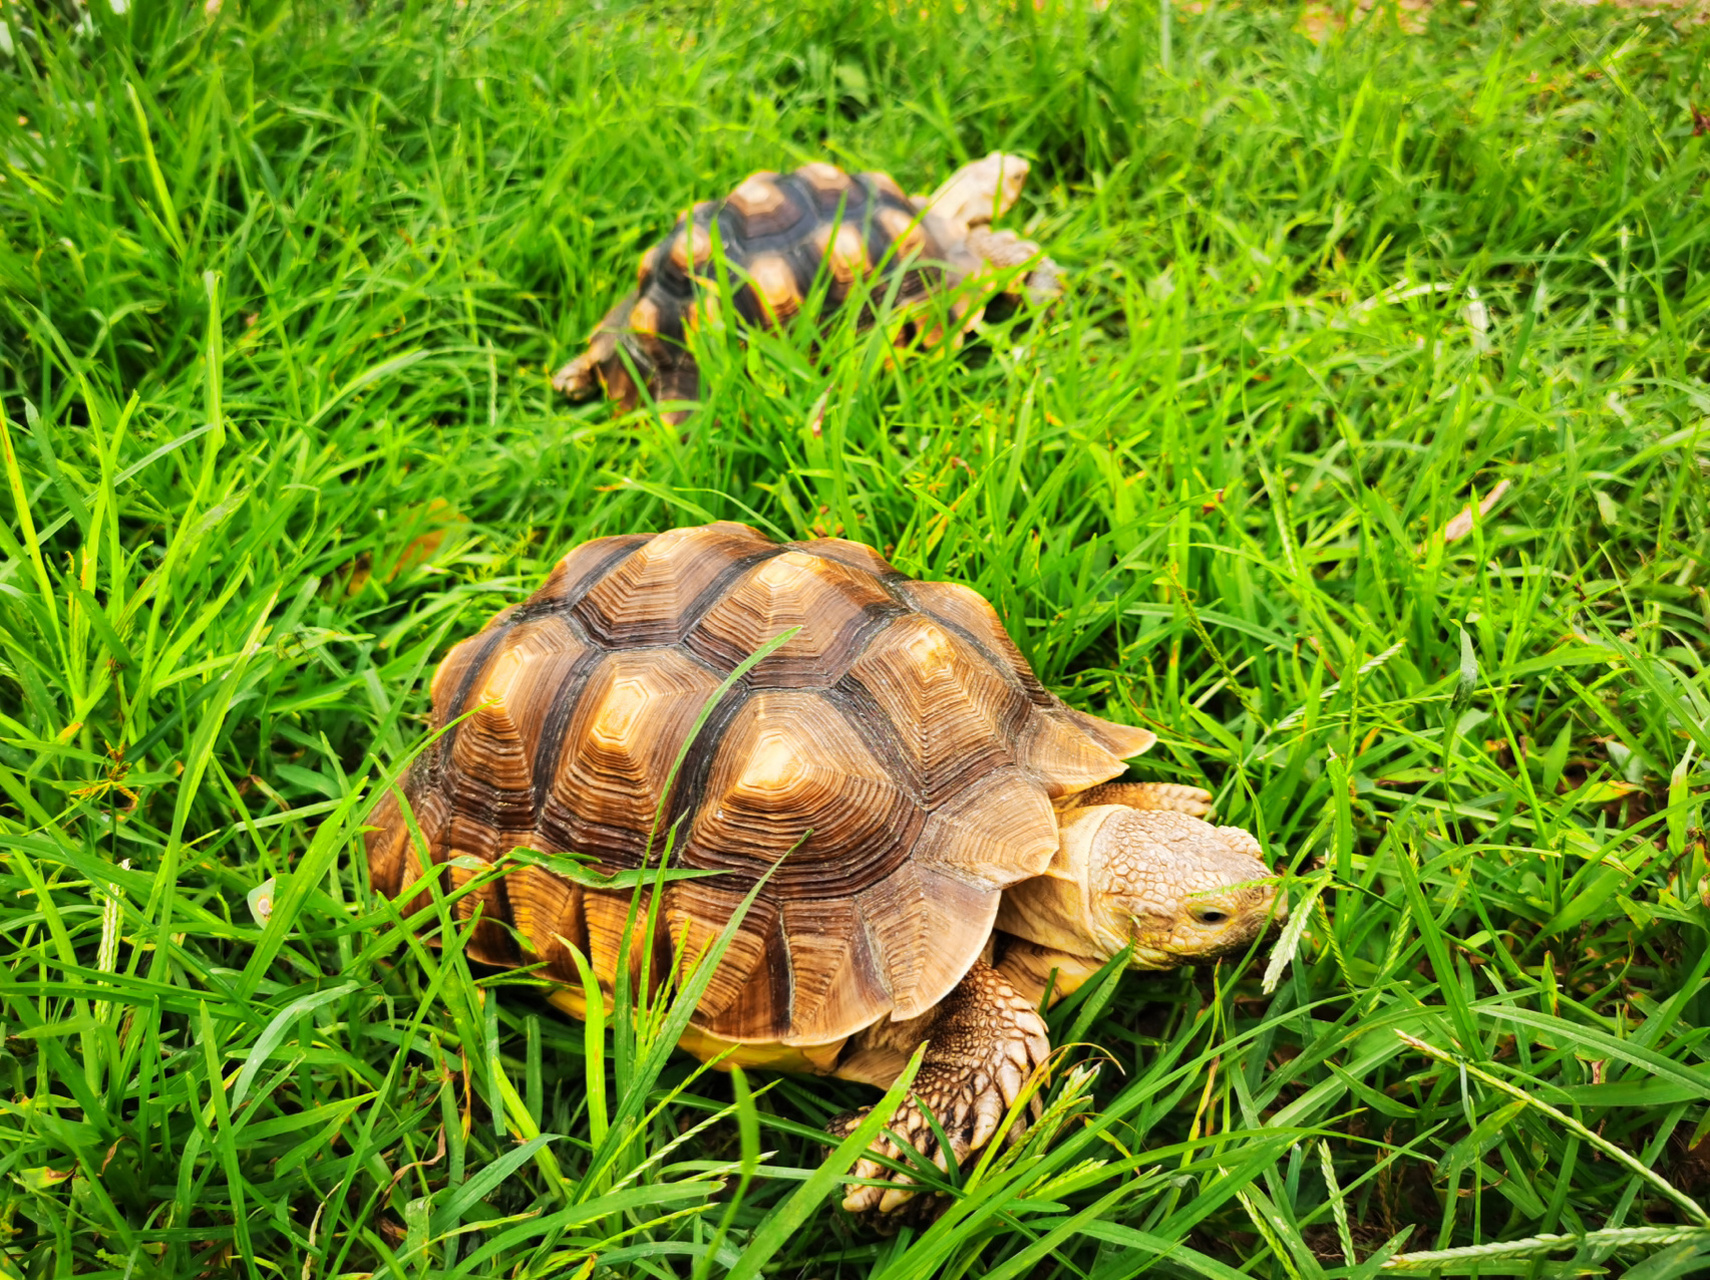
point(1033, 969)
point(1054, 909)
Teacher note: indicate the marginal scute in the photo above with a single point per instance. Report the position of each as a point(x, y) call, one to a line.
point(650, 597)
point(490, 941)
point(615, 378)
point(468, 833)
point(432, 809)
point(395, 863)
point(998, 831)
point(1122, 740)
point(904, 232)
point(547, 909)
point(748, 993)
point(835, 976)
point(388, 845)
point(704, 312)
point(828, 602)
point(1060, 755)
point(927, 929)
point(606, 914)
point(774, 284)
point(844, 250)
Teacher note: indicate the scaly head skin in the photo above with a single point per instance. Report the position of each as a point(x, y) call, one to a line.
point(978, 192)
point(1179, 889)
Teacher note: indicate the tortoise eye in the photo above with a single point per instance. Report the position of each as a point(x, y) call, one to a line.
point(1211, 916)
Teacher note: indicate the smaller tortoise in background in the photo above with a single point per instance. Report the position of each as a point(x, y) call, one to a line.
point(777, 232)
point(955, 845)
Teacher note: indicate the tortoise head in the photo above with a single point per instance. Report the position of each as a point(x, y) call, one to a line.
point(978, 192)
point(1177, 888)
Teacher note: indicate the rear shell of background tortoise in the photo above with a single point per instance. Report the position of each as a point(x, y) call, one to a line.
point(776, 233)
point(899, 745)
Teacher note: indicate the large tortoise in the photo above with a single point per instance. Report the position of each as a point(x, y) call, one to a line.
point(777, 231)
point(955, 845)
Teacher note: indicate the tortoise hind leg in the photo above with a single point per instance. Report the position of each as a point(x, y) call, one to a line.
point(985, 1043)
point(680, 381)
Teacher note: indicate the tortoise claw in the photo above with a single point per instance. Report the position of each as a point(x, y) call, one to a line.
point(985, 1050)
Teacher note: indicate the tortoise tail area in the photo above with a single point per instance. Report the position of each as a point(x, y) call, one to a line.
point(531, 915)
point(552, 912)
point(503, 704)
point(559, 725)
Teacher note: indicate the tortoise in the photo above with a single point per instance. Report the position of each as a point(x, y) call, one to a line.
point(776, 232)
point(945, 839)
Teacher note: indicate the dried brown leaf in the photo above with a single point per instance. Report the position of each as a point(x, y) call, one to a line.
point(1461, 525)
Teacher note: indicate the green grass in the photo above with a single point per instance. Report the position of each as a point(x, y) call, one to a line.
point(279, 294)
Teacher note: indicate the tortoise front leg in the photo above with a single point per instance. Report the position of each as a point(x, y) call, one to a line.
point(985, 1041)
point(589, 373)
point(1177, 797)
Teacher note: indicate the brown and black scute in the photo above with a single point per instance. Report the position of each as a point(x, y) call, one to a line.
point(776, 231)
point(776, 234)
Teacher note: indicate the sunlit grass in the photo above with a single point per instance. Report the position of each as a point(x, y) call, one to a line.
point(281, 291)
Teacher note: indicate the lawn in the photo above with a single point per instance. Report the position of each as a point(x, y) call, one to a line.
point(1365, 461)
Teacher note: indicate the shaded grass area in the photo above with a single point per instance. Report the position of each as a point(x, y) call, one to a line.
point(281, 291)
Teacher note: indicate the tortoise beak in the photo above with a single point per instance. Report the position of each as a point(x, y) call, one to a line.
point(1208, 926)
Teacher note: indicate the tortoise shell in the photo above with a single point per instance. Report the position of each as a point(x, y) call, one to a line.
point(776, 232)
point(898, 749)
